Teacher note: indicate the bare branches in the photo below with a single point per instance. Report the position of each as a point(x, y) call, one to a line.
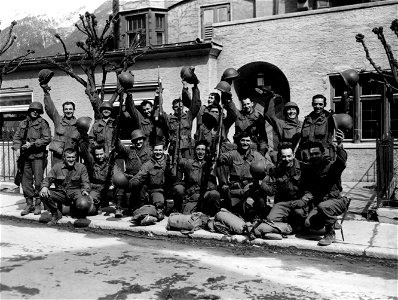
point(9, 40)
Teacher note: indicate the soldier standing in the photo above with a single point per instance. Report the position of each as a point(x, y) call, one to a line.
point(102, 130)
point(30, 142)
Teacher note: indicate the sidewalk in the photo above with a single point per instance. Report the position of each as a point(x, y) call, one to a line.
point(362, 238)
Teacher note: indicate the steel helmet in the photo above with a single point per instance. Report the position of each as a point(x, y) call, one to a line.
point(224, 87)
point(119, 179)
point(229, 73)
point(126, 80)
point(258, 170)
point(83, 123)
point(36, 105)
point(187, 74)
point(83, 205)
point(106, 104)
point(350, 77)
point(291, 104)
point(210, 120)
point(343, 122)
point(45, 76)
point(137, 134)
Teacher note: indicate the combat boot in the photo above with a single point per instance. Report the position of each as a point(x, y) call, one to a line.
point(55, 218)
point(37, 207)
point(118, 212)
point(329, 238)
point(29, 207)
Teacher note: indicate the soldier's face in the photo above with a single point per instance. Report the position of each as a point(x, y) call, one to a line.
point(316, 155)
point(138, 143)
point(158, 152)
point(33, 113)
point(70, 159)
point(200, 151)
point(99, 155)
point(177, 107)
point(106, 113)
point(247, 105)
point(68, 111)
point(318, 105)
point(245, 143)
point(291, 113)
point(211, 99)
point(287, 157)
point(147, 110)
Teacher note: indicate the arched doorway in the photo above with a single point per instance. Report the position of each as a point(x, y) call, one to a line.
point(257, 74)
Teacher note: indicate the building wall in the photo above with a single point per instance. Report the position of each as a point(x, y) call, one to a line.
point(184, 20)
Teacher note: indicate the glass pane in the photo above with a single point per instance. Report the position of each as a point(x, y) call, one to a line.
point(370, 86)
point(339, 108)
point(208, 16)
point(222, 14)
point(371, 111)
point(159, 21)
point(159, 38)
point(394, 120)
point(339, 85)
point(9, 122)
point(129, 24)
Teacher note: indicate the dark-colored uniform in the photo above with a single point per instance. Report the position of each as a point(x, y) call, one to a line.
point(324, 182)
point(186, 196)
point(101, 133)
point(154, 174)
point(69, 185)
point(318, 129)
point(66, 134)
point(252, 122)
point(38, 133)
point(291, 198)
point(185, 122)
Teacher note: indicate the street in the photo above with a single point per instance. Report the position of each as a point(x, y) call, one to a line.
point(47, 263)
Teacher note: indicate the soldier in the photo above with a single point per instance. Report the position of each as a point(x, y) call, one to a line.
point(66, 133)
point(71, 183)
point(318, 126)
point(134, 157)
point(240, 178)
point(155, 174)
point(291, 198)
point(182, 122)
point(251, 121)
point(192, 187)
point(102, 130)
point(29, 143)
point(323, 179)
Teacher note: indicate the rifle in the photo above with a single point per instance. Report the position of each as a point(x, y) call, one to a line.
point(177, 144)
point(21, 158)
point(112, 154)
point(160, 104)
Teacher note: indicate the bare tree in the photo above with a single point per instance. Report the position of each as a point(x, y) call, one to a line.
point(95, 47)
point(10, 66)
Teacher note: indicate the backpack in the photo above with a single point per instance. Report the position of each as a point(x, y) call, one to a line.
point(187, 223)
point(227, 223)
point(144, 211)
point(265, 227)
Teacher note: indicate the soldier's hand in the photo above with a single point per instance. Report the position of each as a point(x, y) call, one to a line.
point(17, 154)
point(26, 145)
point(184, 84)
point(307, 222)
point(44, 192)
point(84, 193)
point(45, 88)
point(339, 136)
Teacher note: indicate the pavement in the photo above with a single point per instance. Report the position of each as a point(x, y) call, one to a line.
point(361, 237)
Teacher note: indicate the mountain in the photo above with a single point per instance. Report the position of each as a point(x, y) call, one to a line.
point(37, 32)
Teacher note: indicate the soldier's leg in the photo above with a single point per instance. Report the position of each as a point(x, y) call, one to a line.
point(157, 199)
point(280, 212)
point(56, 197)
point(331, 208)
point(27, 187)
point(178, 193)
point(38, 166)
point(211, 203)
point(95, 208)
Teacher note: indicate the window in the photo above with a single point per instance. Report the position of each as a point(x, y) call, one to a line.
point(160, 29)
point(211, 15)
point(369, 112)
point(136, 25)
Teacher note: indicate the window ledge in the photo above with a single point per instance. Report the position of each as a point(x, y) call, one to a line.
point(365, 145)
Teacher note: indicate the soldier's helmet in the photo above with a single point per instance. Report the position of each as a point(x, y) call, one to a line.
point(229, 73)
point(291, 104)
point(224, 87)
point(106, 104)
point(36, 105)
point(120, 180)
point(83, 123)
point(343, 122)
point(188, 74)
point(137, 134)
point(82, 206)
point(45, 76)
point(350, 77)
point(258, 170)
point(126, 80)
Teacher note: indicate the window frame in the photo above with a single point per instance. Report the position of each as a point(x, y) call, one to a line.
point(207, 31)
point(129, 32)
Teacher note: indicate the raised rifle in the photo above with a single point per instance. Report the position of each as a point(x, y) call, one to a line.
point(177, 144)
point(159, 111)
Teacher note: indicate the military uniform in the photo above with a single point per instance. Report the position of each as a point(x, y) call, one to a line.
point(66, 134)
point(34, 160)
point(101, 133)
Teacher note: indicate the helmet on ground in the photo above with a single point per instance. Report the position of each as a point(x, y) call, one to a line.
point(188, 74)
point(119, 179)
point(45, 76)
point(229, 73)
point(83, 205)
point(291, 104)
point(126, 80)
point(107, 105)
point(350, 77)
point(343, 122)
point(224, 87)
point(258, 170)
point(137, 134)
point(83, 123)
point(36, 105)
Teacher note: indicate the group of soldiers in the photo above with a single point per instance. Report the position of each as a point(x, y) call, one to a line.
point(171, 168)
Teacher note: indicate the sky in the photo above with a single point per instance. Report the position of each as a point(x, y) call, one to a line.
point(17, 9)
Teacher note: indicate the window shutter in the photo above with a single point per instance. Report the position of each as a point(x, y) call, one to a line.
point(208, 32)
